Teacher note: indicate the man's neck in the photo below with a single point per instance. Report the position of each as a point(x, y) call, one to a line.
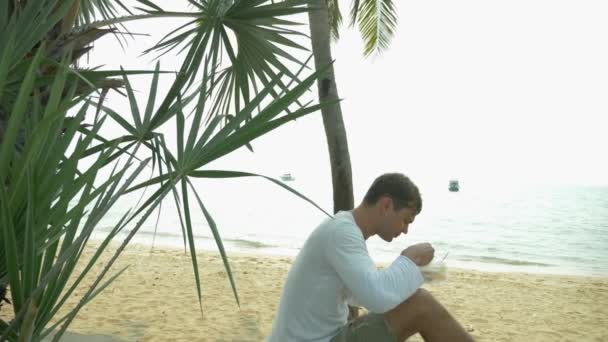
point(363, 218)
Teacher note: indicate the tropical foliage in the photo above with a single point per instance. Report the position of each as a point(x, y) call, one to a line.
point(61, 172)
point(376, 20)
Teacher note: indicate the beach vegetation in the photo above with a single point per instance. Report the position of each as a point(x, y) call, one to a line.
point(62, 169)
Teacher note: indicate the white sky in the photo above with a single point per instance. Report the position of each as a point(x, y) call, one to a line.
point(506, 91)
point(486, 89)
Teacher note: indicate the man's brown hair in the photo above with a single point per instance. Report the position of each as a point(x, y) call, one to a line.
point(398, 187)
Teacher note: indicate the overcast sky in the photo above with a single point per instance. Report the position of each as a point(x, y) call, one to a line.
point(507, 91)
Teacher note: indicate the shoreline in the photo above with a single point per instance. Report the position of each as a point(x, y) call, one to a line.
point(234, 247)
point(155, 299)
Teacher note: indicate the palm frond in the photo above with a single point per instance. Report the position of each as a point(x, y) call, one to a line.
point(377, 21)
point(246, 43)
point(354, 12)
point(89, 10)
point(335, 18)
point(28, 26)
point(40, 244)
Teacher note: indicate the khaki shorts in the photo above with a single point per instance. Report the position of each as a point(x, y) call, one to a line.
point(370, 327)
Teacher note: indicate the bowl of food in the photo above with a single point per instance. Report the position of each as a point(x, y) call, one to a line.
point(435, 271)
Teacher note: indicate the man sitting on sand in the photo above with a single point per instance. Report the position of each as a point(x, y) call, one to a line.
point(334, 269)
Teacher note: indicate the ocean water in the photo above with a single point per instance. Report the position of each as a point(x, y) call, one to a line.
point(558, 229)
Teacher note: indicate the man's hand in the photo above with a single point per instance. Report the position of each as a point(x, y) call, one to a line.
point(421, 254)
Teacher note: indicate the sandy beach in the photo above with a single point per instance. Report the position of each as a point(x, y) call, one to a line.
point(156, 300)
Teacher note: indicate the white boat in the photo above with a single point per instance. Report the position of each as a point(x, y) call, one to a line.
point(454, 185)
point(287, 177)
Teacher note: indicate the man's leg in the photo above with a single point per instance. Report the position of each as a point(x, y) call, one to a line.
point(423, 314)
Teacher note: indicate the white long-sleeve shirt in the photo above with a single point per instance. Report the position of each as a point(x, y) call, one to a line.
point(333, 266)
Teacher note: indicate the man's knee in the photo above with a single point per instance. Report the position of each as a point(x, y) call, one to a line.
point(421, 304)
point(412, 314)
point(418, 300)
point(421, 297)
point(422, 313)
point(422, 294)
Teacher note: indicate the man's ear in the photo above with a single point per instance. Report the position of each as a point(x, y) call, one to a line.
point(386, 203)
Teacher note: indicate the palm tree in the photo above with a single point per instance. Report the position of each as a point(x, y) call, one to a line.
point(377, 21)
point(61, 172)
point(335, 133)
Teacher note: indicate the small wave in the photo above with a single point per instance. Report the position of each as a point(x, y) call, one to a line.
point(495, 260)
point(235, 241)
point(249, 243)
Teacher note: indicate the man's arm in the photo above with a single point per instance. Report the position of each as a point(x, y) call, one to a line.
point(377, 290)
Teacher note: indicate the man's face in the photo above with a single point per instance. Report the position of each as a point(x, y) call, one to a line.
point(395, 222)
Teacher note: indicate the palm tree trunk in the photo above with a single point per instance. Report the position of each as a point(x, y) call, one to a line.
point(339, 157)
point(335, 132)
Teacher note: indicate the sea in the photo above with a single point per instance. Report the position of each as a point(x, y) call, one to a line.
point(549, 229)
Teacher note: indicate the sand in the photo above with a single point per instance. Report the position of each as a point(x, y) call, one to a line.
point(156, 300)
